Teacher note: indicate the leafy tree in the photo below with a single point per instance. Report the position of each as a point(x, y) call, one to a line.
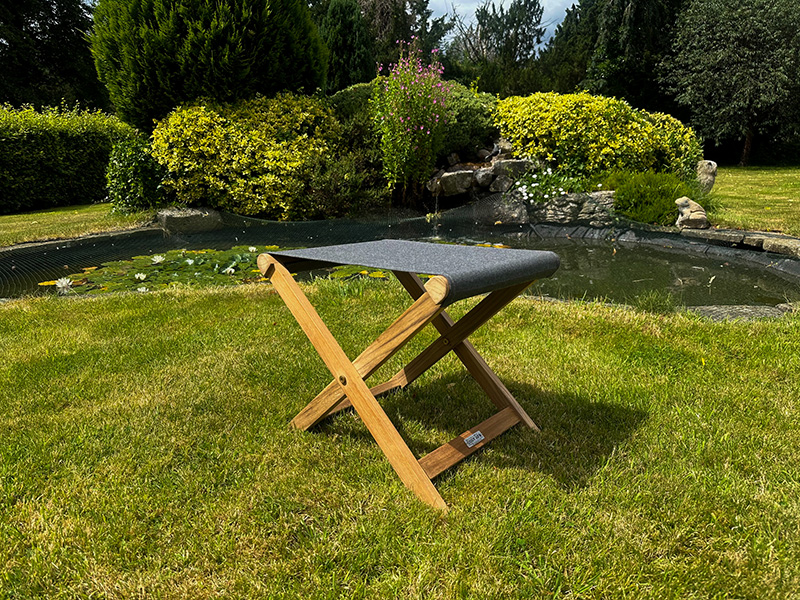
point(499, 48)
point(350, 58)
point(153, 55)
point(736, 65)
point(44, 55)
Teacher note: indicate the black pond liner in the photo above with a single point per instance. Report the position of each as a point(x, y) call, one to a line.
point(614, 264)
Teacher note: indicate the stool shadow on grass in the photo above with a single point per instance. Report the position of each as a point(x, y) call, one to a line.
point(578, 434)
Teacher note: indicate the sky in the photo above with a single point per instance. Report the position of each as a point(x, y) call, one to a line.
point(553, 10)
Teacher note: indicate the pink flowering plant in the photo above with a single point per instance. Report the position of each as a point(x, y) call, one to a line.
point(409, 110)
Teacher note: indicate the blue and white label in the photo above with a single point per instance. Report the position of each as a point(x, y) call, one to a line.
point(473, 439)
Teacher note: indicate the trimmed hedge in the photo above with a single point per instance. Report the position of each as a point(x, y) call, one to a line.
point(56, 157)
point(586, 135)
point(254, 157)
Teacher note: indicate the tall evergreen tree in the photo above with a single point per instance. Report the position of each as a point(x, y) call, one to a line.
point(500, 46)
point(44, 55)
point(350, 57)
point(390, 21)
point(567, 55)
point(155, 54)
point(633, 37)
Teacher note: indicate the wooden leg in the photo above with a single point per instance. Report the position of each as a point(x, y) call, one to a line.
point(406, 326)
point(465, 351)
point(406, 466)
point(453, 336)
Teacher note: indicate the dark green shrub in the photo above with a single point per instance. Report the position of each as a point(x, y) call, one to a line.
point(352, 102)
point(134, 177)
point(351, 107)
point(153, 55)
point(346, 183)
point(254, 157)
point(56, 157)
point(471, 125)
point(649, 197)
point(355, 168)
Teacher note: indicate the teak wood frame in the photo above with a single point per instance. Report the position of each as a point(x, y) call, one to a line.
point(349, 388)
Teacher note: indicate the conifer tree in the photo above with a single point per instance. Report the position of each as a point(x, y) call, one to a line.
point(44, 56)
point(155, 54)
point(350, 57)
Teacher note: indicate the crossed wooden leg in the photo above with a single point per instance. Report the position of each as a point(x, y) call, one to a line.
point(348, 387)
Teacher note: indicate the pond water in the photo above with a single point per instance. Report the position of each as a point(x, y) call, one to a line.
point(589, 269)
point(619, 273)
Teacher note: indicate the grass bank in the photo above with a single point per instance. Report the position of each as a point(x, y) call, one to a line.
point(65, 222)
point(144, 452)
point(758, 198)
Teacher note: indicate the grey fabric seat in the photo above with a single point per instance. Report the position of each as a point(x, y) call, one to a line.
point(470, 270)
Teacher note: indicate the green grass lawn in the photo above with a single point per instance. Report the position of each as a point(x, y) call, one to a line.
point(758, 198)
point(66, 222)
point(145, 452)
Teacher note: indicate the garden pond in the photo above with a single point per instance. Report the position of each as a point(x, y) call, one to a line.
point(610, 269)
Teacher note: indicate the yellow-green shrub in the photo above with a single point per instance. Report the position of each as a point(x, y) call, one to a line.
point(586, 135)
point(254, 157)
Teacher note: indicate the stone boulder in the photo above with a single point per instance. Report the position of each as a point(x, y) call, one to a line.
point(496, 209)
point(189, 220)
point(457, 182)
point(502, 183)
point(513, 168)
point(782, 245)
point(597, 208)
point(593, 209)
point(484, 177)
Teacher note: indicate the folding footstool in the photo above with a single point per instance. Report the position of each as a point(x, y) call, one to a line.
point(458, 272)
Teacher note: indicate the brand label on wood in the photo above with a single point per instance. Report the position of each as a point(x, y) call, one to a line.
point(473, 439)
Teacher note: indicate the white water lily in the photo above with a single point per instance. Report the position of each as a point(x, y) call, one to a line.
point(252, 249)
point(190, 261)
point(142, 290)
point(63, 285)
point(229, 271)
point(157, 259)
point(140, 276)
